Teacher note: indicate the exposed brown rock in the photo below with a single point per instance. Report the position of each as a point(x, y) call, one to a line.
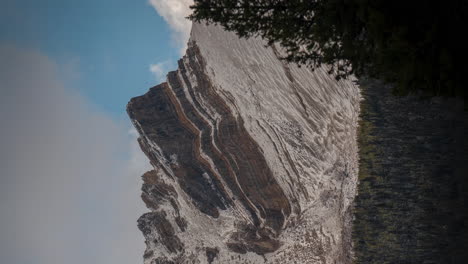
point(148, 254)
point(248, 153)
point(159, 120)
point(181, 222)
point(211, 254)
point(167, 118)
point(155, 191)
point(246, 164)
point(249, 238)
point(164, 229)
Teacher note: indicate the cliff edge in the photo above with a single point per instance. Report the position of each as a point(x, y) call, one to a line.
point(255, 159)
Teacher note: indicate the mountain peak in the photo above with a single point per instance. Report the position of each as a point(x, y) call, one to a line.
point(254, 159)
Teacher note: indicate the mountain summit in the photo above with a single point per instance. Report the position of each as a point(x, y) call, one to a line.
point(255, 159)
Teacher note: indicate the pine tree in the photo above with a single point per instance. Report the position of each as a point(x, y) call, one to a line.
point(413, 44)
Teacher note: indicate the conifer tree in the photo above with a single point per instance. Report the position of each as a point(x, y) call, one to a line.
point(415, 45)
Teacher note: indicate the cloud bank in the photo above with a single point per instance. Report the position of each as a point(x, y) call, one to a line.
point(174, 13)
point(69, 190)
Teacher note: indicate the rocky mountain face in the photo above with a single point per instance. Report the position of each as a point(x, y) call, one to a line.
point(255, 160)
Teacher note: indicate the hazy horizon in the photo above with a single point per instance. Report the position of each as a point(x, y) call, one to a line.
point(71, 166)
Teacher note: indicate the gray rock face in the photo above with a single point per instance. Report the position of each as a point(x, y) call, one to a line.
point(255, 160)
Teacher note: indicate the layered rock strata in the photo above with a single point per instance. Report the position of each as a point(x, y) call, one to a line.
point(254, 159)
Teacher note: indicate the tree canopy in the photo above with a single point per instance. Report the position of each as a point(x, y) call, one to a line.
point(415, 45)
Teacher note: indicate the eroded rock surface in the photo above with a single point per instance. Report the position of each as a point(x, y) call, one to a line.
point(255, 160)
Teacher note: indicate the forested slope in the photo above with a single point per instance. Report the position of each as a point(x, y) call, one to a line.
point(412, 189)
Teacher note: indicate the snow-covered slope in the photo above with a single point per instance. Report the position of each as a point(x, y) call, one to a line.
point(255, 159)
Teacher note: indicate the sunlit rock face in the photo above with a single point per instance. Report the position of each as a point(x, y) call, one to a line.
point(255, 160)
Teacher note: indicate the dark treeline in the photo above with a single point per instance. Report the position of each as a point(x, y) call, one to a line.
point(416, 45)
point(413, 184)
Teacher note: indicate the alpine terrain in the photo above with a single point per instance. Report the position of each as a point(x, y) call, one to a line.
point(255, 159)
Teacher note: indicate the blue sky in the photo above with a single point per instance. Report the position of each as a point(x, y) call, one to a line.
point(106, 46)
point(70, 165)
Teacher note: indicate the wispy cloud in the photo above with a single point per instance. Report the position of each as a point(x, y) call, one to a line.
point(160, 70)
point(69, 174)
point(174, 13)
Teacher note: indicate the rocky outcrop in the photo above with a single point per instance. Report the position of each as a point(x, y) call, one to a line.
point(255, 160)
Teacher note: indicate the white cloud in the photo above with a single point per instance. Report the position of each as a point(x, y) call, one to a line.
point(174, 13)
point(69, 175)
point(159, 70)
